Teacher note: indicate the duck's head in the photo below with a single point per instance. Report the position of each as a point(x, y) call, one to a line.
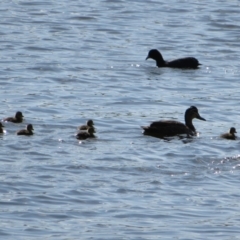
point(90, 123)
point(192, 113)
point(30, 127)
point(19, 115)
point(232, 130)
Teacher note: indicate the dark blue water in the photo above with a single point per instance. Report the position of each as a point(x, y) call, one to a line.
point(68, 61)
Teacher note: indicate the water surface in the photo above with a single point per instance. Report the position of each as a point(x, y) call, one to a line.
point(63, 63)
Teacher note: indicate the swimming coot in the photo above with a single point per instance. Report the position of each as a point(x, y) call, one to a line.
point(188, 62)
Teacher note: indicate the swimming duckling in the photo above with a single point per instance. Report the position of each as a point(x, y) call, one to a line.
point(188, 62)
point(17, 119)
point(27, 131)
point(169, 128)
point(230, 135)
point(1, 126)
point(82, 135)
point(88, 125)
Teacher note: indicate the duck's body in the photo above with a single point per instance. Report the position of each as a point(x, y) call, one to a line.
point(88, 125)
point(28, 131)
point(230, 135)
point(169, 128)
point(188, 62)
point(17, 119)
point(82, 135)
point(166, 128)
point(1, 128)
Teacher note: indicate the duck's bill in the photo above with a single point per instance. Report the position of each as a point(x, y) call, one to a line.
point(200, 118)
point(147, 58)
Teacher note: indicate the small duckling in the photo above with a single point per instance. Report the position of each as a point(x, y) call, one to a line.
point(82, 135)
point(88, 125)
point(230, 135)
point(1, 126)
point(27, 131)
point(17, 119)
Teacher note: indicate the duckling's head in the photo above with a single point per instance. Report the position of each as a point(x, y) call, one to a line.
point(192, 113)
point(90, 123)
point(232, 130)
point(30, 127)
point(19, 115)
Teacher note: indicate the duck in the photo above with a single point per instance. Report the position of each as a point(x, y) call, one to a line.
point(82, 135)
point(1, 128)
point(17, 119)
point(27, 131)
point(188, 62)
point(230, 135)
point(167, 128)
point(88, 124)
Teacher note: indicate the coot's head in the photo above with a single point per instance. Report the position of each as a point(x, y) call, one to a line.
point(154, 54)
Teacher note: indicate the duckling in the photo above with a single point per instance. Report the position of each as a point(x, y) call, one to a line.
point(188, 62)
point(88, 125)
point(82, 135)
point(169, 128)
point(1, 126)
point(17, 119)
point(230, 135)
point(27, 131)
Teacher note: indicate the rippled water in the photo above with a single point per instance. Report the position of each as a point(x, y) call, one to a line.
point(67, 61)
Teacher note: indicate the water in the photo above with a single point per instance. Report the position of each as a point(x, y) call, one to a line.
point(67, 61)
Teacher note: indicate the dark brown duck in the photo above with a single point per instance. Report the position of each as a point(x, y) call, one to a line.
point(172, 128)
point(188, 62)
point(28, 131)
point(17, 119)
point(230, 135)
point(82, 135)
